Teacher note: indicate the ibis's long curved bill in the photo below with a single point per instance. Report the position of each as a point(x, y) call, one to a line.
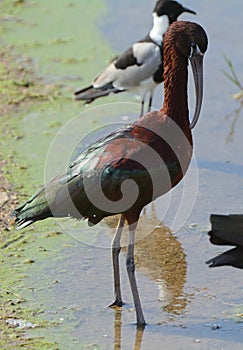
point(197, 69)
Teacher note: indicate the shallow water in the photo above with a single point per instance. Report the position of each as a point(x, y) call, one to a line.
point(186, 304)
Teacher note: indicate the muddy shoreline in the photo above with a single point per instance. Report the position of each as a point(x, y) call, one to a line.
point(25, 89)
point(20, 85)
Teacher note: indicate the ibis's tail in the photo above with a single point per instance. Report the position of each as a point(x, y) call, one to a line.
point(51, 200)
point(63, 196)
point(34, 209)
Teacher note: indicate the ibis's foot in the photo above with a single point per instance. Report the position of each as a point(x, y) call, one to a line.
point(141, 326)
point(118, 303)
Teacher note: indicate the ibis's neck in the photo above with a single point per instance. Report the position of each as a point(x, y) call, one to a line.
point(175, 87)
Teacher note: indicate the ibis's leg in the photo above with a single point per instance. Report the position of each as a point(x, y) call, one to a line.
point(142, 108)
point(150, 102)
point(116, 248)
point(131, 274)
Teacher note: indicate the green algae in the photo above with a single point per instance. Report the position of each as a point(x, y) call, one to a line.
point(58, 36)
point(42, 60)
point(15, 252)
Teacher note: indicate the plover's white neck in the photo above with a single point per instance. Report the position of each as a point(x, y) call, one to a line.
point(161, 24)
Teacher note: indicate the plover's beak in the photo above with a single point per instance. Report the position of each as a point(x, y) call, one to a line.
point(185, 9)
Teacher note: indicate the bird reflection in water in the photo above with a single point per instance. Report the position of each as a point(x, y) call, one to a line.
point(118, 332)
point(160, 257)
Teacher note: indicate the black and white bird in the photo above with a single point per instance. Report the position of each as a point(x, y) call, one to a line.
point(139, 69)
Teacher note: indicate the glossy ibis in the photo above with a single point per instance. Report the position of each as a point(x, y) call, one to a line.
point(140, 67)
point(124, 171)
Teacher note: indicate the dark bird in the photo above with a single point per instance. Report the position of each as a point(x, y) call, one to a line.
point(140, 67)
point(124, 171)
point(227, 230)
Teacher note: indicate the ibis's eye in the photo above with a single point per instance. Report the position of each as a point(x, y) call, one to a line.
point(195, 49)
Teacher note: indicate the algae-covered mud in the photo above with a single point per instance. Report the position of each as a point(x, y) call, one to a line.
point(56, 276)
point(38, 62)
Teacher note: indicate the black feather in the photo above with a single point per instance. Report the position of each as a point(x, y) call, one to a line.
point(227, 230)
point(232, 257)
point(89, 94)
point(126, 59)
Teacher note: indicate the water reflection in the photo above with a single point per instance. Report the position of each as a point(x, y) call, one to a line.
point(118, 333)
point(160, 257)
point(233, 77)
point(235, 115)
point(117, 328)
